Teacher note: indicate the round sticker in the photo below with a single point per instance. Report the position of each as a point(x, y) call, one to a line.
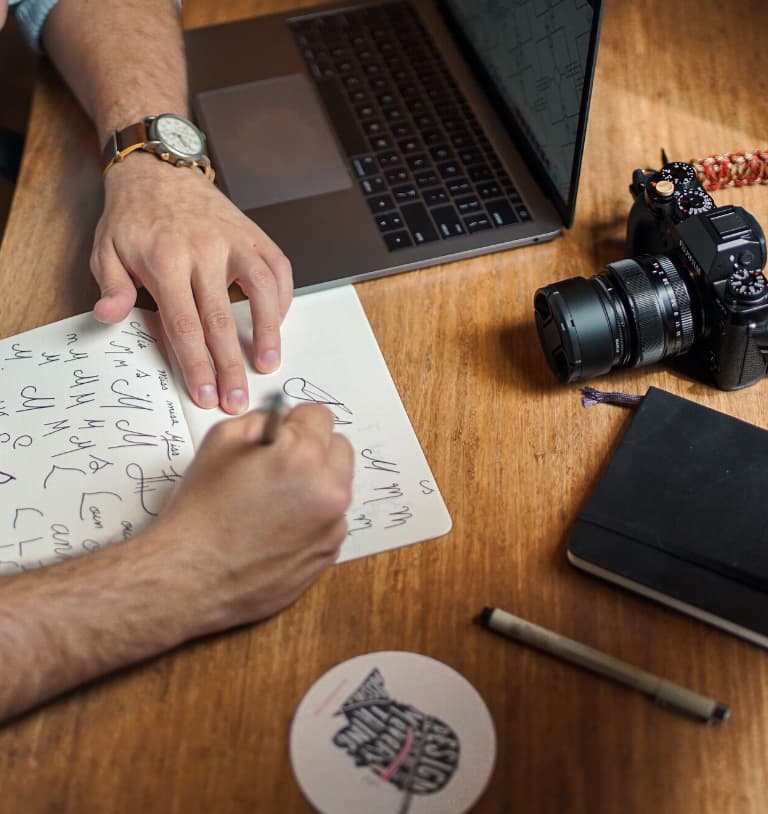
point(392, 733)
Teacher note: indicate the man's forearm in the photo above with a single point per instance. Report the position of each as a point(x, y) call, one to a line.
point(122, 60)
point(67, 624)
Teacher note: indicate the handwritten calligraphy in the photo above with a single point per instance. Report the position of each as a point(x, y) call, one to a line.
point(31, 401)
point(69, 430)
point(126, 399)
point(302, 390)
point(148, 484)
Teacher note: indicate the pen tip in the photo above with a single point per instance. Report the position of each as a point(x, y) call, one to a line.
point(485, 615)
point(275, 400)
point(722, 713)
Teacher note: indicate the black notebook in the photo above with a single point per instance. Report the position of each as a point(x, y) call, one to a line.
point(681, 515)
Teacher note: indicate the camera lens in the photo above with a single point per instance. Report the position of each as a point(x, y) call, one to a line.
point(635, 313)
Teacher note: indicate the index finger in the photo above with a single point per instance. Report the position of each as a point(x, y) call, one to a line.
point(314, 419)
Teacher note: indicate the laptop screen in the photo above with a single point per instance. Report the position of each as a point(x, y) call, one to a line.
point(538, 58)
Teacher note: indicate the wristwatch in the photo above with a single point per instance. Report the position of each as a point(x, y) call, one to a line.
point(170, 137)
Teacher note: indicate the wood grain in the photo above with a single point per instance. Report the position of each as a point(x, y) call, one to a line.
point(205, 729)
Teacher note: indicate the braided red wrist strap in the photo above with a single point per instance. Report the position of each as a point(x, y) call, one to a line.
point(732, 169)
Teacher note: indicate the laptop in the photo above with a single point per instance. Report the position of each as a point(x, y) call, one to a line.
point(369, 139)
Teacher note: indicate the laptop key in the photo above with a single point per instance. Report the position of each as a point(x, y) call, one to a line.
point(351, 82)
point(401, 129)
point(489, 189)
point(373, 186)
point(393, 114)
point(477, 223)
point(381, 143)
point(396, 176)
point(481, 173)
point(364, 165)
point(450, 169)
point(378, 84)
point(389, 159)
point(461, 139)
point(501, 213)
point(441, 152)
point(381, 203)
point(468, 206)
point(405, 193)
point(470, 155)
point(424, 121)
point(419, 223)
point(458, 187)
point(389, 222)
point(418, 162)
point(435, 197)
point(523, 213)
point(447, 221)
point(373, 127)
point(426, 178)
point(433, 137)
point(410, 145)
point(397, 240)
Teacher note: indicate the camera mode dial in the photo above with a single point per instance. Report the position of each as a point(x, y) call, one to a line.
point(747, 284)
point(682, 175)
point(694, 202)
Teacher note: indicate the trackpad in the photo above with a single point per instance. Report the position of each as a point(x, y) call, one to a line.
point(271, 141)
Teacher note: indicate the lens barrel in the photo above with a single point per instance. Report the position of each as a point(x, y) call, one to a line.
point(637, 312)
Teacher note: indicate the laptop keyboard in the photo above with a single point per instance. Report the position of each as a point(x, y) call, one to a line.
point(420, 156)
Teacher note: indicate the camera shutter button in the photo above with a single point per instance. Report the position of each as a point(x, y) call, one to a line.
point(665, 188)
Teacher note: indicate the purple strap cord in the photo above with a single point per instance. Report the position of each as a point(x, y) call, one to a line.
point(591, 396)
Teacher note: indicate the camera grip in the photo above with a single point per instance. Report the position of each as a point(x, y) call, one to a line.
point(736, 357)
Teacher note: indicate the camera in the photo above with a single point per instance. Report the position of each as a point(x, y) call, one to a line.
point(692, 280)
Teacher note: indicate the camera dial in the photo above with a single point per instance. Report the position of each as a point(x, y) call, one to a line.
point(693, 202)
point(682, 175)
point(747, 285)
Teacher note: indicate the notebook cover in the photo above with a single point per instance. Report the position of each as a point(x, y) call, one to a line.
point(681, 514)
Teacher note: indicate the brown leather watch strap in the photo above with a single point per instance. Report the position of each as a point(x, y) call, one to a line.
point(134, 136)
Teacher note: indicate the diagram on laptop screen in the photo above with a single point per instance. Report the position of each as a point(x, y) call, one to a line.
point(536, 53)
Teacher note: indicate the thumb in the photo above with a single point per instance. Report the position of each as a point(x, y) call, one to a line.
point(118, 292)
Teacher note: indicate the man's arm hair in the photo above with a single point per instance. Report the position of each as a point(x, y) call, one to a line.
point(66, 624)
point(123, 60)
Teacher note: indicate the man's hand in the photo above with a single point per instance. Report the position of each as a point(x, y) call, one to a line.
point(170, 230)
point(258, 524)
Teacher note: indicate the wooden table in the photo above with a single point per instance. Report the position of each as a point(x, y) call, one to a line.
point(205, 729)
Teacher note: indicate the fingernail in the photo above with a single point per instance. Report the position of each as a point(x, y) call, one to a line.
point(207, 396)
point(237, 400)
point(269, 360)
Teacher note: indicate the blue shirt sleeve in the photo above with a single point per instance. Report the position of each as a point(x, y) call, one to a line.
point(31, 14)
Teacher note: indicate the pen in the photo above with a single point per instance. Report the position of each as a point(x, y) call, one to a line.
point(663, 692)
point(274, 418)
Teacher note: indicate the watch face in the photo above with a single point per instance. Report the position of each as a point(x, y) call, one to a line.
point(180, 136)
